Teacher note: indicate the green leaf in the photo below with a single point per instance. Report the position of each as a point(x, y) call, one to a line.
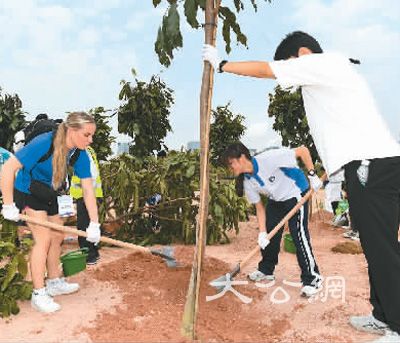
point(226, 34)
point(172, 27)
point(12, 269)
point(190, 171)
point(191, 7)
point(156, 2)
point(22, 265)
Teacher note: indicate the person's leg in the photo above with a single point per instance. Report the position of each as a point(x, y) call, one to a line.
point(275, 212)
point(298, 227)
point(55, 284)
point(53, 256)
point(41, 301)
point(375, 213)
point(42, 241)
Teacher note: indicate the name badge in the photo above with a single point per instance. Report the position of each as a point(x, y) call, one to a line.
point(65, 206)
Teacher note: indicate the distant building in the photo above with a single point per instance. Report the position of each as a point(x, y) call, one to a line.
point(123, 147)
point(194, 145)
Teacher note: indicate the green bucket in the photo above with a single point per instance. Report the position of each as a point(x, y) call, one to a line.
point(74, 261)
point(288, 244)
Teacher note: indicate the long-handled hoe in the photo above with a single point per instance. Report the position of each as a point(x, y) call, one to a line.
point(220, 282)
point(166, 253)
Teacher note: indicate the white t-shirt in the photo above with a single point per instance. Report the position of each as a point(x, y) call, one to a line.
point(341, 112)
point(275, 174)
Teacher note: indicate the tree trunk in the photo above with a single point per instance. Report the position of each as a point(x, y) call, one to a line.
point(192, 300)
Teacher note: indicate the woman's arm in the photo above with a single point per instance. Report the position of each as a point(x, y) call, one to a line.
point(90, 199)
point(7, 179)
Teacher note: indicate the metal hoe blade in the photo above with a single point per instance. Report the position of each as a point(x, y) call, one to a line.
point(167, 253)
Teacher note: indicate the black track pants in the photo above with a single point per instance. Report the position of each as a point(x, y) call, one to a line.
point(375, 211)
point(298, 226)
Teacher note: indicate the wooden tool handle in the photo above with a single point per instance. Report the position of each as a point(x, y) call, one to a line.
point(73, 231)
point(271, 234)
point(288, 216)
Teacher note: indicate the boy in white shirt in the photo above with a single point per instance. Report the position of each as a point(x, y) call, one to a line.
point(275, 173)
point(338, 100)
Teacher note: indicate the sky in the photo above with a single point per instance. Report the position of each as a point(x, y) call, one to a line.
point(61, 56)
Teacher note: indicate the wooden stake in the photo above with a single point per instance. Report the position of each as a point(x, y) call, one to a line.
point(188, 328)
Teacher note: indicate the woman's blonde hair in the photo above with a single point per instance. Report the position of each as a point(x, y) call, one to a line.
point(75, 120)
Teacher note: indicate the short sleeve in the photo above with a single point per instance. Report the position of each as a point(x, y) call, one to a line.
point(30, 154)
point(251, 194)
point(306, 70)
point(82, 165)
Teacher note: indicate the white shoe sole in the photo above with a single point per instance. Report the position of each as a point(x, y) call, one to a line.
point(53, 294)
point(37, 308)
point(264, 278)
point(373, 328)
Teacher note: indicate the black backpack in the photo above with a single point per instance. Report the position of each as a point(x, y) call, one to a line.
point(41, 126)
point(37, 127)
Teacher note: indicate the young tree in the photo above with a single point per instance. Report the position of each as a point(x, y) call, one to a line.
point(12, 119)
point(102, 140)
point(144, 115)
point(287, 109)
point(170, 38)
point(225, 129)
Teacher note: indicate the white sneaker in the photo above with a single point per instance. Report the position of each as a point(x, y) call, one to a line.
point(259, 276)
point(389, 337)
point(310, 290)
point(59, 286)
point(43, 302)
point(368, 324)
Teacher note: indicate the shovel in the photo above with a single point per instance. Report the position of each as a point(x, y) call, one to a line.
point(220, 282)
point(166, 254)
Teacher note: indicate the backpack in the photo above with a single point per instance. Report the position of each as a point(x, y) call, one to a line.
point(41, 126)
point(37, 127)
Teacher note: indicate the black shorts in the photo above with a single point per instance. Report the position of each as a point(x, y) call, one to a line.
point(23, 200)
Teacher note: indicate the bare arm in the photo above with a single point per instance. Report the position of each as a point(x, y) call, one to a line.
point(7, 179)
point(254, 69)
point(261, 216)
point(90, 199)
point(304, 154)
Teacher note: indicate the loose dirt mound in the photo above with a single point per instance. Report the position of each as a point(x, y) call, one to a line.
point(348, 248)
point(154, 299)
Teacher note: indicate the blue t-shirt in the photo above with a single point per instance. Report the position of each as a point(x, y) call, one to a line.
point(30, 155)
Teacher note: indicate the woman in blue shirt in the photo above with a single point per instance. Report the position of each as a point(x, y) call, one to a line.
point(41, 169)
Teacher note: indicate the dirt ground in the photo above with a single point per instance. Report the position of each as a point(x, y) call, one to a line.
point(136, 298)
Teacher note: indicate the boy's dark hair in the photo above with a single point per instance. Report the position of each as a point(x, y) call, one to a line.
point(235, 150)
point(290, 45)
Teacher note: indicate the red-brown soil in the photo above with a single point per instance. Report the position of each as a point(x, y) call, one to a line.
point(137, 298)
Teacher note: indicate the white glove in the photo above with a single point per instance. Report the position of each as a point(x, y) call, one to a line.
point(210, 54)
point(10, 212)
point(315, 182)
point(93, 233)
point(263, 241)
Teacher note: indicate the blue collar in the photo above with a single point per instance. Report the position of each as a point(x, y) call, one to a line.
point(255, 172)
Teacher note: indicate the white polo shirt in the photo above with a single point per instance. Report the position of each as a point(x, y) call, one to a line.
point(341, 112)
point(275, 174)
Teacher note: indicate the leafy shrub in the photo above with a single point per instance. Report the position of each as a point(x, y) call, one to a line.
point(13, 269)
